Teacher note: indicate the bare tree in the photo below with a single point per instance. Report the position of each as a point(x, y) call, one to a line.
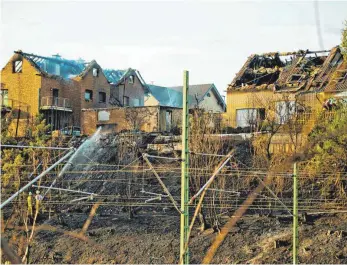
point(138, 117)
point(203, 142)
point(281, 113)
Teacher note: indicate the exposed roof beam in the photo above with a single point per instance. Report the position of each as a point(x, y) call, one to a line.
point(292, 53)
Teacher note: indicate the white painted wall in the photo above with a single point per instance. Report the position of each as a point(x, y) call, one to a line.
point(211, 103)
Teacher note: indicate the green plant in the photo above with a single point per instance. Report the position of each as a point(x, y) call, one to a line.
point(344, 41)
point(327, 152)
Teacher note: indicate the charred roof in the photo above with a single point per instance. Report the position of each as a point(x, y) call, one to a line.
point(293, 71)
point(56, 65)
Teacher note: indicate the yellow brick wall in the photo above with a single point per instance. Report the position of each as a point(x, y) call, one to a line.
point(153, 122)
point(281, 142)
point(241, 100)
point(22, 86)
point(117, 117)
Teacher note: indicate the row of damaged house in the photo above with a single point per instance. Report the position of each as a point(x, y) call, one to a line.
point(269, 88)
point(272, 88)
point(80, 95)
point(162, 110)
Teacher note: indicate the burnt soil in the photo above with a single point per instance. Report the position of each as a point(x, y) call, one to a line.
point(153, 237)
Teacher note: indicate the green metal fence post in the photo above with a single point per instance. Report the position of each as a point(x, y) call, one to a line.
point(295, 216)
point(184, 255)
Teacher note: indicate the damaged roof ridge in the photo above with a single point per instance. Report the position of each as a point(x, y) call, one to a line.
point(298, 52)
point(59, 59)
point(67, 69)
point(204, 84)
point(116, 77)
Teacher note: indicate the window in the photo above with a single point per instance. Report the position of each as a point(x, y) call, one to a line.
point(246, 117)
point(249, 117)
point(261, 114)
point(102, 97)
point(168, 120)
point(208, 94)
point(103, 115)
point(131, 79)
point(17, 66)
point(126, 101)
point(88, 95)
point(4, 97)
point(284, 109)
point(136, 102)
point(95, 71)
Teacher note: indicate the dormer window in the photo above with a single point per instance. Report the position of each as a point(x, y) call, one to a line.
point(17, 66)
point(95, 72)
point(131, 79)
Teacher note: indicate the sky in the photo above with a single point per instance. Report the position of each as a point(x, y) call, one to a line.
point(210, 39)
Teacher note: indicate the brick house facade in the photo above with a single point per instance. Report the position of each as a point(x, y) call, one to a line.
point(55, 87)
point(127, 87)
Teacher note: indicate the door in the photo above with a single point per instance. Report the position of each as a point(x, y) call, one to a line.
point(55, 96)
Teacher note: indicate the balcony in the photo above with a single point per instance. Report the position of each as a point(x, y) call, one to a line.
point(55, 103)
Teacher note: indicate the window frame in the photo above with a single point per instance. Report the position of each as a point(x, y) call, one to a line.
point(131, 79)
point(136, 102)
point(168, 123)
point(128, 101)
point(103, 95)
point(95, 72)
point(55, 96)
point(14, 66)
point(290, 108)
point(252, 114)
point(4, 97)
point(255, 115)
point(90, 92)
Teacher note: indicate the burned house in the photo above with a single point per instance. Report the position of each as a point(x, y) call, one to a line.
point(129, 110)
point(133, 119)
point(127, 87)
point(278, 81)
point(53, 86)
point(204, 96)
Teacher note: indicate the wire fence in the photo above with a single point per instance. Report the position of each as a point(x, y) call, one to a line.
point(235, 188)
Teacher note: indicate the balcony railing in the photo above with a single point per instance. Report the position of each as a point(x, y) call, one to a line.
point(55, 102)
